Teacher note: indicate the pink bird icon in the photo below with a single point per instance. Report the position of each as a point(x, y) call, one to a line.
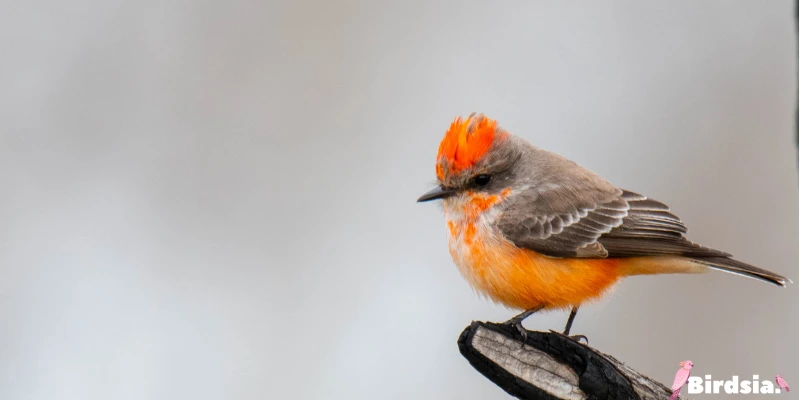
point(681, 378)
point(781, 383)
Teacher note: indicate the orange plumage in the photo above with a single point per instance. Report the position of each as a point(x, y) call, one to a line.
point(524, 279)
point(516, 277)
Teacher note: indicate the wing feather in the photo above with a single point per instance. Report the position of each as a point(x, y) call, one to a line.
point(625, 224)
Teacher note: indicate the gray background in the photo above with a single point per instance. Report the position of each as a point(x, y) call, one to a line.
point(215, 200)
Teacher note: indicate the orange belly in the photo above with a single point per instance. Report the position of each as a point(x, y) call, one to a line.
point(516, 277)
point(524, 279)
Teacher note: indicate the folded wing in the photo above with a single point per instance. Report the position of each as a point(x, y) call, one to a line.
point(608, 224)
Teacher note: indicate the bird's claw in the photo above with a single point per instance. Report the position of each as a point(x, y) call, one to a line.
point(517, 324)
point(574, 338)
point(577, 338)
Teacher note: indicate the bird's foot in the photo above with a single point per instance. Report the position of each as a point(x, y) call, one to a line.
point(574, 338)
point(578, 338)
point(517, 324)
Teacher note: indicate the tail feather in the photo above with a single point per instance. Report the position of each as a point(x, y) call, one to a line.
point(694, 265)
point(660, 265)
point(739, 268)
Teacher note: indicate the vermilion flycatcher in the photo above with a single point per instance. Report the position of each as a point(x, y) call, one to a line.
point(533, 230)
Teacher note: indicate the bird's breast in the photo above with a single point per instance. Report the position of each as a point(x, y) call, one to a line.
point(518, 278)
point(470, 224)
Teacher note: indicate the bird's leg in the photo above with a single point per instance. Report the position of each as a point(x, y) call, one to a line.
point(572, 315)
point(516, 322)
point(571, 318)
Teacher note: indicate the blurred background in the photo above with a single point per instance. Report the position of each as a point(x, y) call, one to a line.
point(216, 200)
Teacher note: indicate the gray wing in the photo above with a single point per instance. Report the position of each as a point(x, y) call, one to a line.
point(597, 225)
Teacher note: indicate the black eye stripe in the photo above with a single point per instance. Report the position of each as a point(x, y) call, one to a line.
point(482, 179)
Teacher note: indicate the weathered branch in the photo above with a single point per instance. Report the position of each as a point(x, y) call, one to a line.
point(551, 366)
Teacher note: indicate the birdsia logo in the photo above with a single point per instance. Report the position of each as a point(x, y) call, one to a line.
point(698, 385)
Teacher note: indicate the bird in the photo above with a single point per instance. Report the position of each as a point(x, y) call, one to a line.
point(681, 378)
point(534, 231)
point(782, 383)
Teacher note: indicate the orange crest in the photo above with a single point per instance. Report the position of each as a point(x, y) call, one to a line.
point(465, 143)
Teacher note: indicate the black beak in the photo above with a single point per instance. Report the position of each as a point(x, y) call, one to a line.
point(435, 194)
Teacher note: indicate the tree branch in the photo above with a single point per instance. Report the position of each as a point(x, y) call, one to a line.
point(551, 366)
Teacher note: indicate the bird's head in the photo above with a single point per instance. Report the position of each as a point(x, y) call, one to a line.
point(475, 156)
point(686, 364)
